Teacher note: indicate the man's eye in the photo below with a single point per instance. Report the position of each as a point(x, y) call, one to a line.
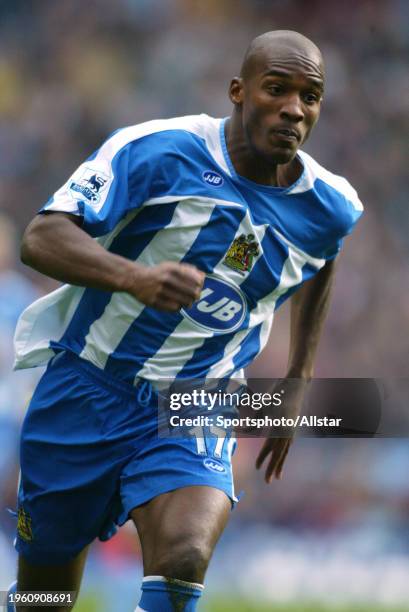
point(310, 98)
point(275, 89)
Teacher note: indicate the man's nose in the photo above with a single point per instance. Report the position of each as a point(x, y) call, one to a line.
point(292, 109)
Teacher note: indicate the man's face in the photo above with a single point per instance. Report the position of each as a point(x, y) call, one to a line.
point(280, 103)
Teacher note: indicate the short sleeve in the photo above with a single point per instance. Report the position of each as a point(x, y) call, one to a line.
point(98, 191)
point(348, 218)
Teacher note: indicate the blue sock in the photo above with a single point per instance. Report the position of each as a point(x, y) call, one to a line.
point(12, 589)
point(161, 594)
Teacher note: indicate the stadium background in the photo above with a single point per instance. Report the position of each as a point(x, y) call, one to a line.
point(334, 531)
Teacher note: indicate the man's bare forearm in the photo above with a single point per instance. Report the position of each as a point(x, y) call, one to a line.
point(56, 246)
point(309, 308)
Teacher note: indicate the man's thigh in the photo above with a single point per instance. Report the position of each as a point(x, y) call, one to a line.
point(179, 530)
point(180, 493)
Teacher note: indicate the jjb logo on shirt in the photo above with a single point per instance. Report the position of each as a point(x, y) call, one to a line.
point(221, 307)
point(212, 178)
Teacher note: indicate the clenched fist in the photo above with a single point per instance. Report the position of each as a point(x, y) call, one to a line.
point(168, 286)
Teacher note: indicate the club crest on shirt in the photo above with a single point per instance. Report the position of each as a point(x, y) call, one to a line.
point(240, 255)
point(24, 529)
point(89, 185)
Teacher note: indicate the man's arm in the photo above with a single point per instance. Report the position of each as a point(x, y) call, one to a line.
point(55, 245)
point(309, 307)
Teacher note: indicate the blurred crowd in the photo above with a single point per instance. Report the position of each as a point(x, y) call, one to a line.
point(72, 72)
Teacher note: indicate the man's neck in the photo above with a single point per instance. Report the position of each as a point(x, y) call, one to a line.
point(255, 168)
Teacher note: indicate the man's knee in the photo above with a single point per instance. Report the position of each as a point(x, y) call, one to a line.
point(179, 530)
point(185, 559)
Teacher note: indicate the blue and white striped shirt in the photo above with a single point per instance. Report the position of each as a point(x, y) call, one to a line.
point(166, 190)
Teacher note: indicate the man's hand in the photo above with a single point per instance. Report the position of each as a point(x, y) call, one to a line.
point(168, 286)
point(276, 449)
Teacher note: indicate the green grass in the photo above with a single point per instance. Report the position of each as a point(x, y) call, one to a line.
point(92, 603)
point(229, 605)
point(88, 602)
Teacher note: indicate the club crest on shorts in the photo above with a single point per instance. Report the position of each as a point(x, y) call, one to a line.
point(24, 529)
point(89, 185)
point(242, 252)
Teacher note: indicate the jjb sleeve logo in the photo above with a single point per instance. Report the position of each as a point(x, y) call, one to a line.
point(221, 307)
point(88, 184)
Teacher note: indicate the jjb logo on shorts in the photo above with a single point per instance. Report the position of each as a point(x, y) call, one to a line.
point(221, 307)
point(212, 178)
point(214, 466)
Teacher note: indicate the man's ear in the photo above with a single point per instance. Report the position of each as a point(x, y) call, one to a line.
point(236, 91)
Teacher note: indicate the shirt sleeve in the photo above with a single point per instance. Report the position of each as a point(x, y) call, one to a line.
point(351, 213)
point(98, 191)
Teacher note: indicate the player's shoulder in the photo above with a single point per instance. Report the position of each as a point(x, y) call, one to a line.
point(335, 188)
point(168, 133)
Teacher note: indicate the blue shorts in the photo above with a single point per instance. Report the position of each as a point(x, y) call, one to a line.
point(90, 453)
